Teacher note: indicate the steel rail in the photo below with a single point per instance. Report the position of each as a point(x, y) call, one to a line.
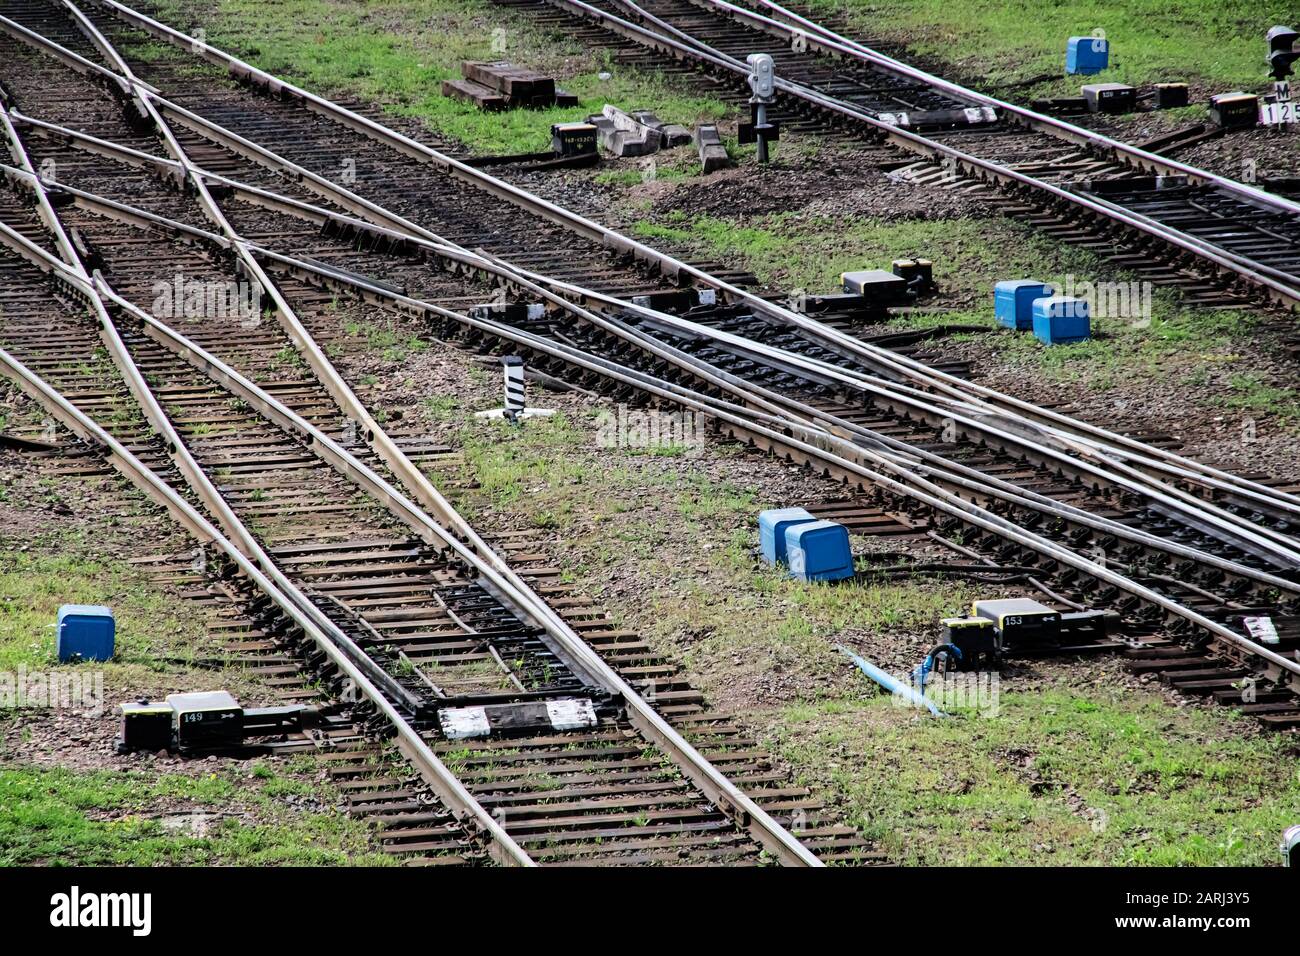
point(972, 405)
point(822, 447)
point(1241, 533)
point(500, 844)
point(773, 403)
point(666, 264)
point(819, 370)
point(838, 43)
point(340, 195)
point(95, 290)
point(374, 435)
point(121, 357)
point(320, 215)
point(1196, 502)
point(738, 806)
point(358, 472)
point(518, 595)
point(1282, 287)
point(399, 227)
point(1024, 408)
point(744, 812)
point(715, 785)
point(1236, 637)
point(839, 46)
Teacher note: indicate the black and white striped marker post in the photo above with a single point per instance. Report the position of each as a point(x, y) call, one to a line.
point(513, 366)
point(515, 409)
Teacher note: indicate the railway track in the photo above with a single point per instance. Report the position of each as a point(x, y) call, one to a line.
point(1211, 236)
point(335, 537)
point(314, 493)
point(349, 200)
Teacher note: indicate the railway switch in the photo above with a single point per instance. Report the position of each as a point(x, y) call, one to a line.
point(1110, 97)
point(995, 627)
point(818, 551)
point(1013, 301)
point(205, 718)
point(1020, 621)
point(772, 525)
point(1087, 54)
point(1060, 319)
point(86, 632)
point(880, 287)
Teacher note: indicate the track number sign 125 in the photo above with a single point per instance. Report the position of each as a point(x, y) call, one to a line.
point(1275, 114)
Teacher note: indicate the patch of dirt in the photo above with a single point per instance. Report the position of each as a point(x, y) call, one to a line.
point(833, 184)
point(1243, 155)
point(836, 181)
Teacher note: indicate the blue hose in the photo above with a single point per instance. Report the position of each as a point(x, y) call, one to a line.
point(890, 683)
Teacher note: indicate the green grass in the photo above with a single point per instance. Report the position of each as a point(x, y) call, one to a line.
point(1070, 769)
point(1087, 775)
point(1247, 392)
point(539, 468)
point(109, 818)
point(33, 583)
point(637, 512)
point(796, 253)
point(1218, 41)
point(398, 52)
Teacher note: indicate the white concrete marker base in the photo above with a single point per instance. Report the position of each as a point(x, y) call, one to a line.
point(519, 415)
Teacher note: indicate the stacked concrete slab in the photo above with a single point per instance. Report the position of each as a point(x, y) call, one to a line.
point(501, 86)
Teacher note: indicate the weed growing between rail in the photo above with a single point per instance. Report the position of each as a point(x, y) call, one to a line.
point(1077, 766)
point(399, 53)
point(796, 252)
point(65, 798)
